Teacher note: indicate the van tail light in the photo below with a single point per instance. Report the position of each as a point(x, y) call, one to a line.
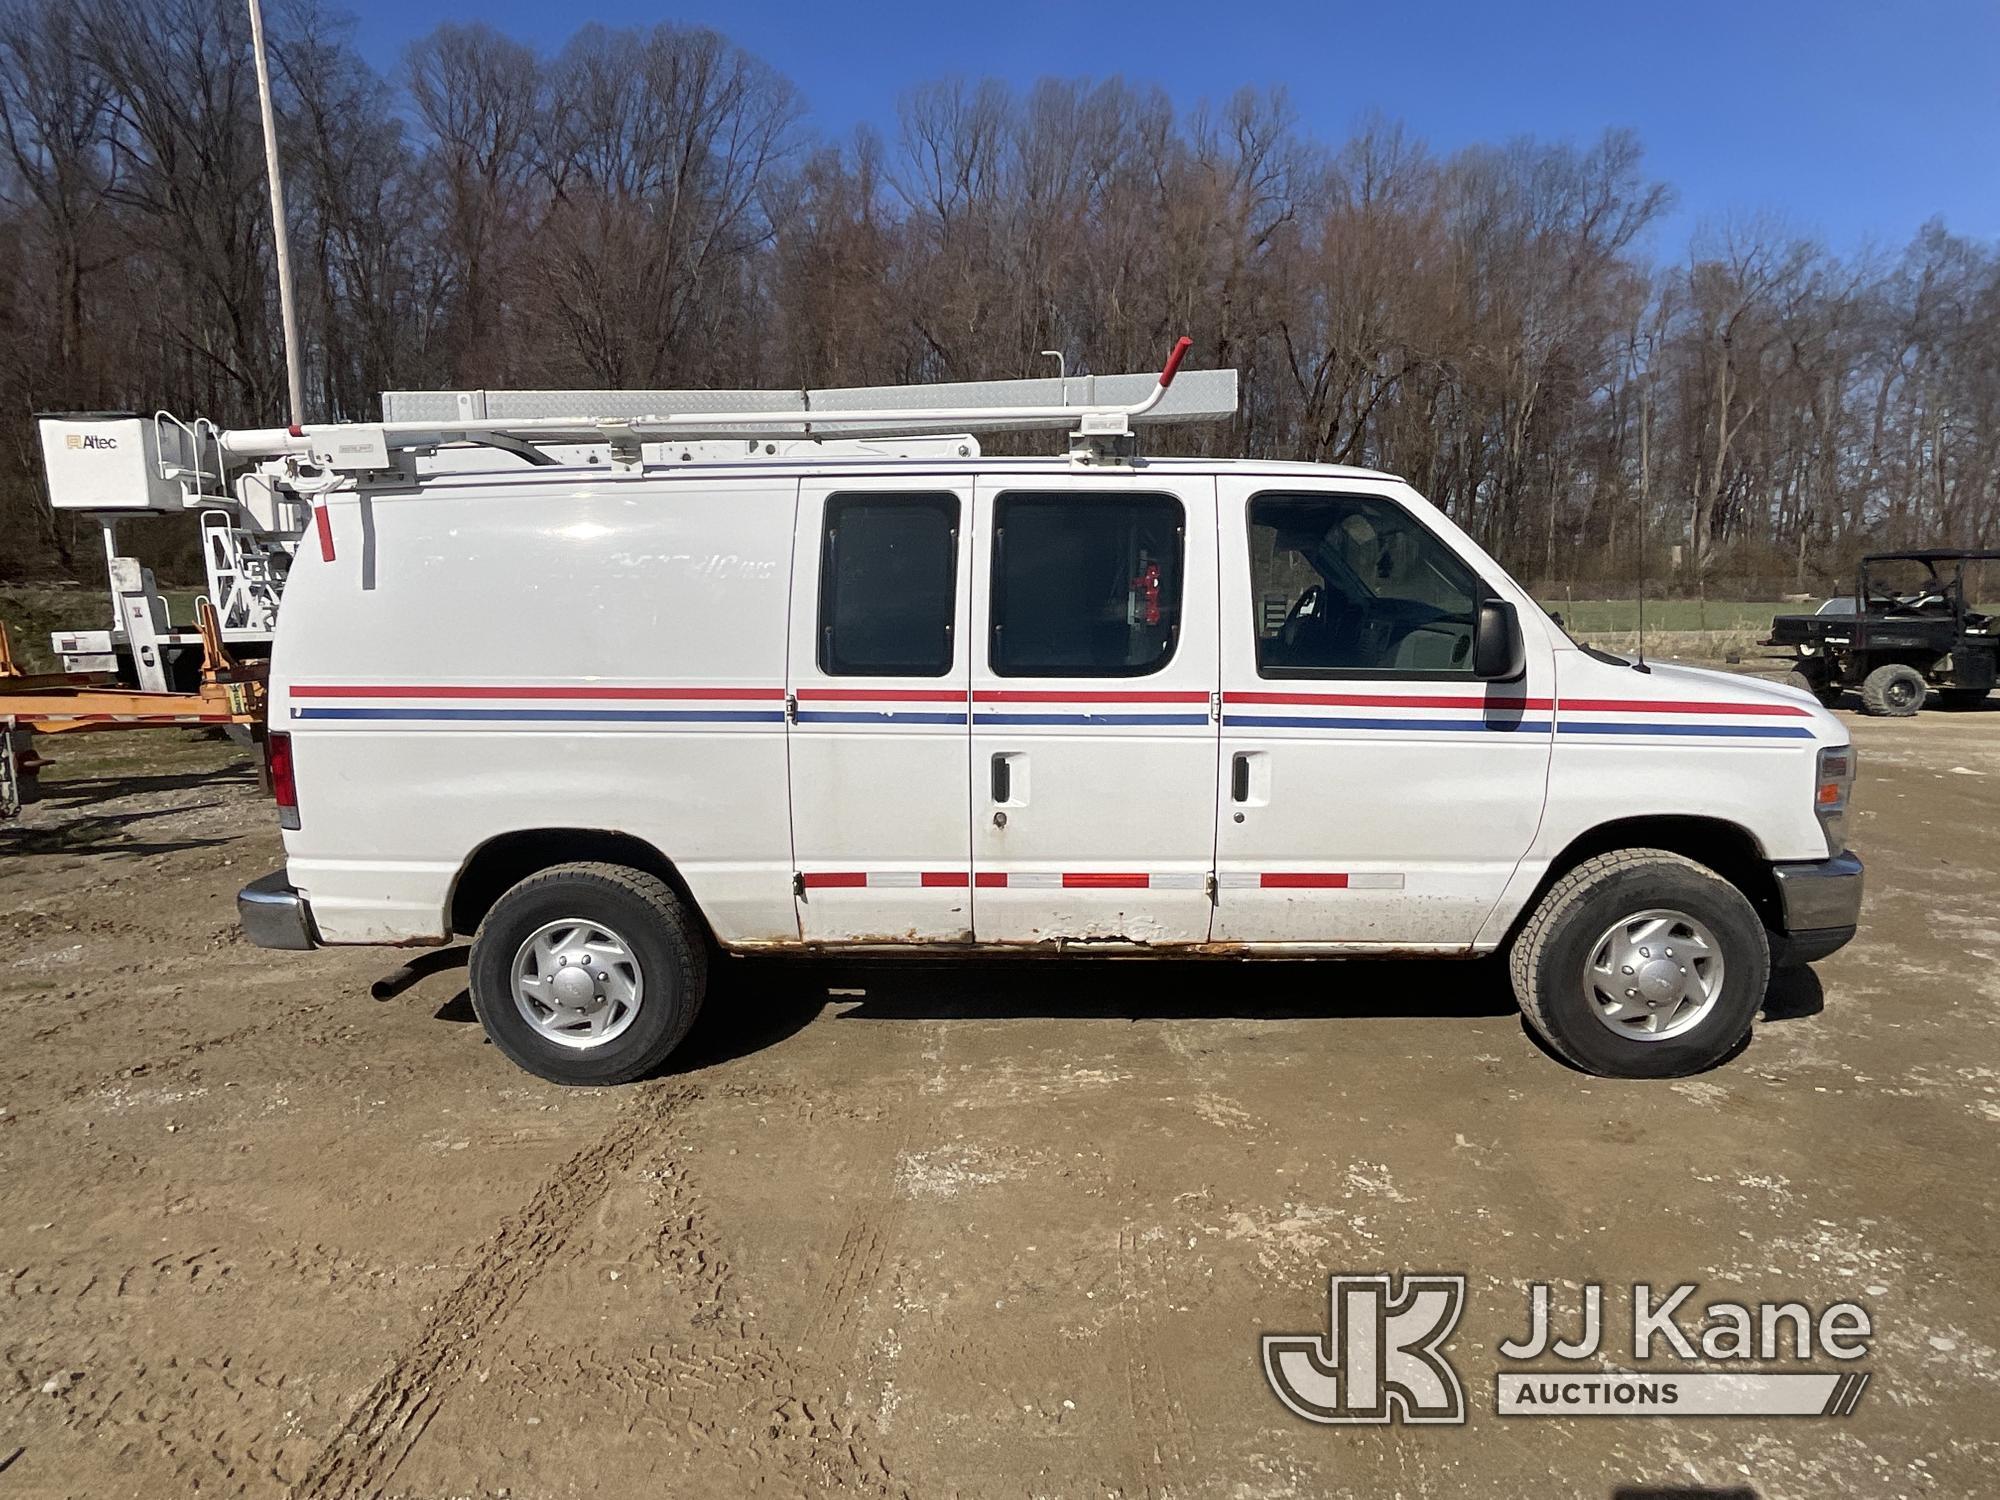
point(284, 784)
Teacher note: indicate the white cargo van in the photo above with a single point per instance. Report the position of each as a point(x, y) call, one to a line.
point(609, 718)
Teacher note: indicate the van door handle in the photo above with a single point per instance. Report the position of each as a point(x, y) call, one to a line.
point(1239, 777)
point(1003, 780)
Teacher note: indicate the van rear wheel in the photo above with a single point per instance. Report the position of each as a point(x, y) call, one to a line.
point(588, 973)
point(1642, 964)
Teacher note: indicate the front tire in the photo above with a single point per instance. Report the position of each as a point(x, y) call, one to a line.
point(588, 974)
point(1642, 964)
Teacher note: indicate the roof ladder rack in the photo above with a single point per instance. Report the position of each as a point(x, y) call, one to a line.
point(1102, 422)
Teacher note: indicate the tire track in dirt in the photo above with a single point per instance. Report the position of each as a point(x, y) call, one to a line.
point(206, 1419)
point(835, 1315)
point(1165, 1445)
point(379, 1433)
point(722, 1407)
point(1163, 1434)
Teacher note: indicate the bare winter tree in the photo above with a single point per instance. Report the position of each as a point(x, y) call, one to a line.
point(647, 208)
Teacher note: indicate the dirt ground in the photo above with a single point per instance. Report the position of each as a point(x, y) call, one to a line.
point(1002, 1230)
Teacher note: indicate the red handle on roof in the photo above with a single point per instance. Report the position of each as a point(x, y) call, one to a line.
point(1174, 361)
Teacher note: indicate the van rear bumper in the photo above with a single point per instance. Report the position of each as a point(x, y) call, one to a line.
point(1819, 904)
point(274, 915)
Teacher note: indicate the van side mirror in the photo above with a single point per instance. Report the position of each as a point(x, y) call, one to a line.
point(1499, 653)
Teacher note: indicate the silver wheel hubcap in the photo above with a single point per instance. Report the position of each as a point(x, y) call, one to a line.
point(1653, 975)
point(577, 983)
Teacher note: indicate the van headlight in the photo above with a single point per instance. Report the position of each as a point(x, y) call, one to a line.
point(1833, 786)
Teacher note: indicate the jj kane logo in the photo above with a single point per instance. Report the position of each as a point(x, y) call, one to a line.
point(1382, 1358)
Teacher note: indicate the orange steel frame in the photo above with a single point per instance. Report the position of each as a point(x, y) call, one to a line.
point(231, 692)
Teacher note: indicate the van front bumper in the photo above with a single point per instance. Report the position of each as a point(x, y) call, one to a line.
point(274, 915)
point(1819, 905)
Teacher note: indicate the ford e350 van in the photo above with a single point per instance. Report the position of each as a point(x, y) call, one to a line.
point(612, 713)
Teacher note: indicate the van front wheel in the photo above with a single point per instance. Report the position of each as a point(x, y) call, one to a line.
point(1642, 964)
point(587, 973)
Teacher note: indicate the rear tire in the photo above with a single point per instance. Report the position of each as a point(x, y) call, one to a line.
point(1893, 692)
point(588, 974)
point(1706, 967)
point(1960, 698)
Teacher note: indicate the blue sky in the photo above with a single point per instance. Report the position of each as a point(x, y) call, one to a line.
point(1850, 122)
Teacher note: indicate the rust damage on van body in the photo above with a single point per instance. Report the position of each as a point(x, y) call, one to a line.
point(963, 945)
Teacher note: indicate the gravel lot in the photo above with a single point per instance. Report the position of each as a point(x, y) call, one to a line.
point(988, 1230)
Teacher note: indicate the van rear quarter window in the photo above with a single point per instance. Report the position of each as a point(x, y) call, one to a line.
point(888, 578)
point(1085, 585)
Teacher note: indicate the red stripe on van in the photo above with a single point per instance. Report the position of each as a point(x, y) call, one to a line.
point(958, 878)
point(1012, 695)
point(988, 880)
point(565, 692)
point(824, 879)
point(1389, 700)
point(1641, 705)
point(1289, 881)
point(881, 695)
point(1074, 880)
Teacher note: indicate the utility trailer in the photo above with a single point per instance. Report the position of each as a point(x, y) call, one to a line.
point(1896, 644)
point(227, 694)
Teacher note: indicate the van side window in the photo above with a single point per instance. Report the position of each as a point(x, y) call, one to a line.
point(1352, 584)
point(887, 585)
point(1085, 585)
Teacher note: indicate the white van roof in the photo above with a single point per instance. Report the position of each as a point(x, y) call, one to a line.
point(794, 466)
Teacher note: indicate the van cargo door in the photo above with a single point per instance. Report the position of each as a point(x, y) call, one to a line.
point(877, 700)
point(1093, 748)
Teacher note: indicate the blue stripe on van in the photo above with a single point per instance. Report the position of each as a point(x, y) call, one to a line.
point(877, 716)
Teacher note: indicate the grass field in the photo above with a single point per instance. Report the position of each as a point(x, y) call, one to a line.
point(1606, 616)
point(31, 612)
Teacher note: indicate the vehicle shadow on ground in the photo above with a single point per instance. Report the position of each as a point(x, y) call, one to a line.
point(1167, 989)
point(757, 1003)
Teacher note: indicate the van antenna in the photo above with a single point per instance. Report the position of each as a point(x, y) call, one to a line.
point(1645, 505)
point(1640, 664)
